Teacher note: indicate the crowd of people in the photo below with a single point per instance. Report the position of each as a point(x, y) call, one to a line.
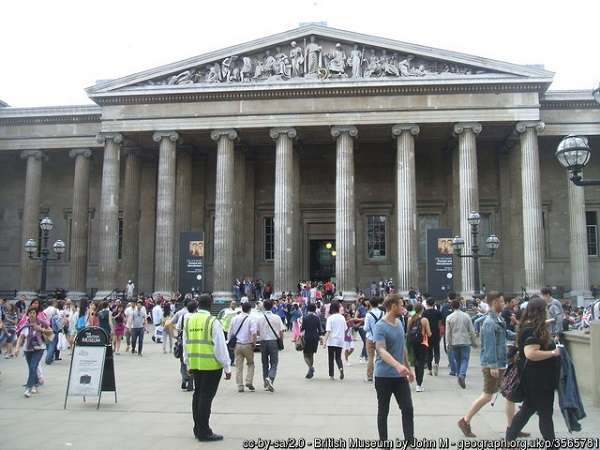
point(400, 341)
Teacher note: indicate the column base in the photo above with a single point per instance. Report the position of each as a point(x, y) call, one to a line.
point(223, 297)
point(581, 297)
point(103, 295)
point(349, 296)
point(164, 294)
point(76, 295)
point(29, 295)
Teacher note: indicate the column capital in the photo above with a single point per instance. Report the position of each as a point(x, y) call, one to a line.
point(229, 133)
point(400, 128)
point(338, 130)
point(276, 132)
point(117, 138)
point(35, 154)
point(85, 152)
point(461, 127)
point(537, 125)
point(158, 136)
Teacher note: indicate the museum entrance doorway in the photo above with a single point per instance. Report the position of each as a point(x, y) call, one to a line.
point(322, 259)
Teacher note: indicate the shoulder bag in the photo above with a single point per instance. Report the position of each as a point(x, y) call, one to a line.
point(279, 340)
point(233, 339)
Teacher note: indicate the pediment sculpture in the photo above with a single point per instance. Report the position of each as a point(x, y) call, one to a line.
point(313, 60)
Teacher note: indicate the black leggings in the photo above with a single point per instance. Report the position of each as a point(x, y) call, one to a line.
point(385, 387)
point(335, 352)
point(433, 352)
point(540, 402)
point(420, 359)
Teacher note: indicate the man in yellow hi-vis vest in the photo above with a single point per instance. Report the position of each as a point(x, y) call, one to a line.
point(206, 356)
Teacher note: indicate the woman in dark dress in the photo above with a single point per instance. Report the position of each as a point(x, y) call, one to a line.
point(105, 320)
point(540, 373)
point(312, 329)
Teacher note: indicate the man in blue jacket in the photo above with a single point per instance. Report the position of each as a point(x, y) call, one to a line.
point(493, 358)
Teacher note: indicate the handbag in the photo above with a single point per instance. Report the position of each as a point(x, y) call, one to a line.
point(63, 343)
point(233, 339)
point(300, 343)
point(511, 386)
point(279, 340)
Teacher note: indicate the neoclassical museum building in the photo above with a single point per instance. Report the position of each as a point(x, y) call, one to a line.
point(311, 139)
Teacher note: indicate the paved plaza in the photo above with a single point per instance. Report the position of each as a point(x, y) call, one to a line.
point(154, 414)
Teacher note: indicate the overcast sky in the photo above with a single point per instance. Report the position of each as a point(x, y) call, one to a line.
point(52, 50)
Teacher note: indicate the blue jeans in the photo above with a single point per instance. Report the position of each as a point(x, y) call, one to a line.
point(270, 358)
point(461, 355)
point(137, 337)
point(51, 349)
point(450, 352)
point(33, 359)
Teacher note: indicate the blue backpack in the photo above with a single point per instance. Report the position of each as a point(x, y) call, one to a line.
point(80, 325)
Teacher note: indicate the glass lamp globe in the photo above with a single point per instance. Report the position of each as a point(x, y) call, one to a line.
point(46, 224)
point(458, 244)
point(492, 242)
point(573, 153)
point(474, 218)
point(31, 246)
point(59, 247)
point(328, 246)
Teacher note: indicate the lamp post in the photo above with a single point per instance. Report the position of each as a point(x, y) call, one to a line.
point(31, 246)
point(492, 243)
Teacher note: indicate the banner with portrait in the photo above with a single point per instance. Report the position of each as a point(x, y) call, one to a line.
point(440, 266)
point(191, 261)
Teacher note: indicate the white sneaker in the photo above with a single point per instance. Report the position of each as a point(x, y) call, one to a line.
point(34, 390)
point(27, 393)
point(420, 388)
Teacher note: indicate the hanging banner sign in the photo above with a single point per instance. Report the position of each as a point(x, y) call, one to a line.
point(191, 262)
point(440, 277)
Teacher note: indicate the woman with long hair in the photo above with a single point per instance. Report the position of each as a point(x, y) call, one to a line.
point(421, 345)
point(119, 321)
point(31, 337)
point(540, 373)
point(167, 328)
point(41, 316)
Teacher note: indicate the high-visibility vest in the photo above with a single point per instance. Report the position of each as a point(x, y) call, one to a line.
point(227, 318)
point(198, 343)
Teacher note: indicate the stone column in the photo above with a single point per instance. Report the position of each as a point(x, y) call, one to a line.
point(239, 196)
point(406, 207)
point(533, 228)
point(183, 203)
point(31, 221)
point(345, 214)
point(224, 226)
point(284, 217)
point(165, 213)
point(580, 275)
point(468, 193)
point(79, 223)
point(108, 236)
point(131, 218)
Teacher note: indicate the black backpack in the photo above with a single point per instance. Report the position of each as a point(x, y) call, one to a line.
point(415, 334)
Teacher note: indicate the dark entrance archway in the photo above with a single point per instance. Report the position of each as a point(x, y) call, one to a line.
point(322, 261)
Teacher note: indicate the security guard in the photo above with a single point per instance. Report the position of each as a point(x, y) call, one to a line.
point(206, 357)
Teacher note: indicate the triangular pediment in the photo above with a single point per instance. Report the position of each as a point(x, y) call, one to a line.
point(316, 54)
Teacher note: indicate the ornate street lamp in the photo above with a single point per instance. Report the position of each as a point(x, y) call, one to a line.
point(492, 243)
point(574, 153)
point(31, 247)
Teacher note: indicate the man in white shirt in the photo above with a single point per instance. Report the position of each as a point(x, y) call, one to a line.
point(50, 310)
point(157, 317)
point(335, 331)
point(270, 329)
point(243, 332)
point(373, 316)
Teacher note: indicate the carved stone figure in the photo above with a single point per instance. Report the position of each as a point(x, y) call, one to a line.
point(227, 68)
point(404, 66)
point(355, 61)
point(283, 67)
point(373, 65)
point(337, 64)
point(313, 58)
point(186, 77)
point(270, 64)
point(389, 65)
point(297, 60)
point(214, 75)
point(246, 70)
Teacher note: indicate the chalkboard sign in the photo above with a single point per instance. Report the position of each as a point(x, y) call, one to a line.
point(92, 368)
